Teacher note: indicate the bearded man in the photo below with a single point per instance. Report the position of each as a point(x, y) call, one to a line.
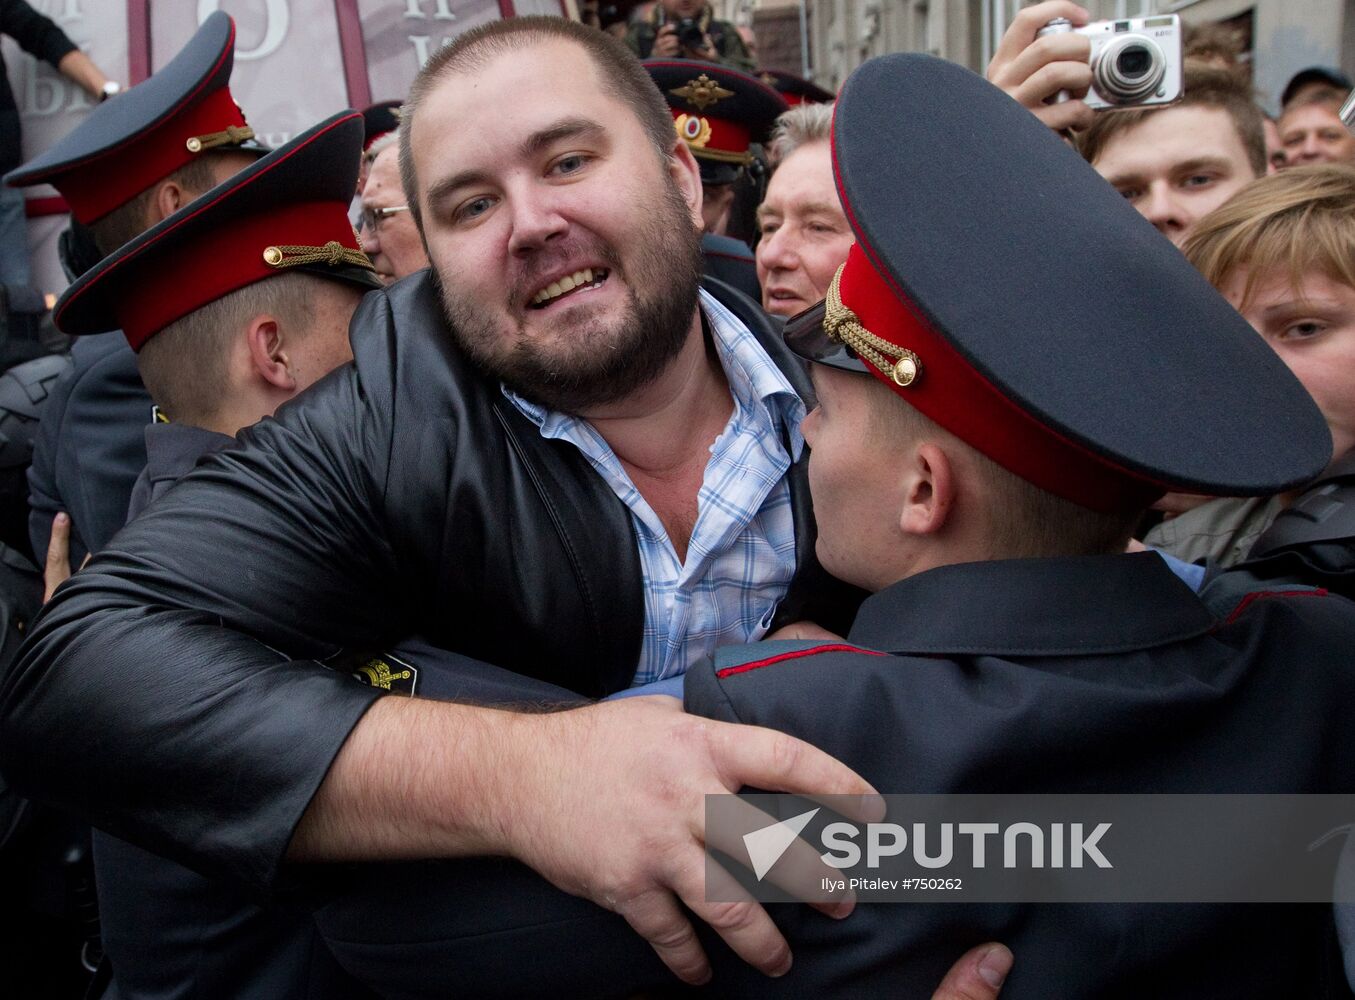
point(554, 452)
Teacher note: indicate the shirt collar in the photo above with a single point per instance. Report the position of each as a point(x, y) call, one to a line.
point(754, 379)
point(1074, 606)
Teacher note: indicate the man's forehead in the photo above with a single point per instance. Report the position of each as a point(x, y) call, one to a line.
point(536, 65)
point(1171, 136)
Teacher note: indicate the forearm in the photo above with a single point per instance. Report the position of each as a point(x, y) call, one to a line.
point(419, 779)
point(80, 68)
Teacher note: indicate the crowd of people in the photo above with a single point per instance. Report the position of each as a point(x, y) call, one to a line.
point(435, 509)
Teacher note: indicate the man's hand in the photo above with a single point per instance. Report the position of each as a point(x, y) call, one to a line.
point(665, 43)
point(612, 807)
point(58, 567)
point(1033, 70)
point(978, 975)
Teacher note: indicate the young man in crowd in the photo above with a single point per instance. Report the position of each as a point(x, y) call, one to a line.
point(1280, 251)
point(1173, 164)
point(805, 235)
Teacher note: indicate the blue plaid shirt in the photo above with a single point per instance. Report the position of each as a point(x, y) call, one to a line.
point(741, 556)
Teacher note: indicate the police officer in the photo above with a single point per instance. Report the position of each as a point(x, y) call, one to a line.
point(998, 404)
point(133, 161)
point(272, 253)
point(795, 89)
point(723, 115)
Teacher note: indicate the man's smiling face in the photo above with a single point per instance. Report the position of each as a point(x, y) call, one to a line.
point(567, 249)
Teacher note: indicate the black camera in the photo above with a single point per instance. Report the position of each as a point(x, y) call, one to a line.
point(689, 34)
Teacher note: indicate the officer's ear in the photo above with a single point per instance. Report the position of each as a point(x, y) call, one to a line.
point(267, 350)
point(928, 490)
point(170, 196)
point(686, 174)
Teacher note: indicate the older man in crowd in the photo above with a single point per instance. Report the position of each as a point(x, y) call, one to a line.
point(805, 235)
point(389, 235)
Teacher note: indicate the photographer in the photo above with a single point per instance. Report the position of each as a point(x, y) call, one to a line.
point(687, 29)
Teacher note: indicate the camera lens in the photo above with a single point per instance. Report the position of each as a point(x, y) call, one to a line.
point(1128, 69)
point(1132, 63)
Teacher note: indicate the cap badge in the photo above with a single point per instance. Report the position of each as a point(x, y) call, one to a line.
point(694, 129)
point(231, 135)
point(841, 324)
point(702, 92)
point(769, 80)
point(332, 254)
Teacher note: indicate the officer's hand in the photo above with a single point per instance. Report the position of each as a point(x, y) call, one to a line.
point(665, 42)
point(58, 567)
point(1032, 70)
point(978, 975)
point(611, 806)
point(810, 631)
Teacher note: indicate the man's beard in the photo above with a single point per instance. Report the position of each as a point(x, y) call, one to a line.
point(597, 362)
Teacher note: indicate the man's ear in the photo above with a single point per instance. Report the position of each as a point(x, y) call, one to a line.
point(928, 491)
point(683, 168)
point(170, 196)
point(268, 353)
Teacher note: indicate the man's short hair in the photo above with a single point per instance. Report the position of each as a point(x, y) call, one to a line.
point(186, 366)
point(1327, 96)
point(131, 219)
point(801, 125)
point(1213, 42)
point(617, 67)
point(1025, 521)
point(1206, 87)
point(382, 144)
point(1300, 221)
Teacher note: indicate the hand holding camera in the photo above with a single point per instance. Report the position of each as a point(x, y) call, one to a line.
point(1064, 69)
point(683, 38)
point(1033, 69)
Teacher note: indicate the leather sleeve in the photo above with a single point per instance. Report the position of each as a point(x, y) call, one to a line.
point(168, 693)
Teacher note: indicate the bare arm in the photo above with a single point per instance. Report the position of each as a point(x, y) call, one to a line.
point(607, 802)
point(80, 68)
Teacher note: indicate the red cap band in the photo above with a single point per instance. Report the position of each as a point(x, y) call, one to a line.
point(98, 186)
point(950, 392)
point(715, 138)
point(200, 271)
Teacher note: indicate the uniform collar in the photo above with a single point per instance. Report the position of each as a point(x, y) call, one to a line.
point(1034, 607)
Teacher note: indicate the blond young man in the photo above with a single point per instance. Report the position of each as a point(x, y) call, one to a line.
point(1281, 252)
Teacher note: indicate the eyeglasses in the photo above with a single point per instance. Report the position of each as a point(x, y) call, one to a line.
point(373, 217)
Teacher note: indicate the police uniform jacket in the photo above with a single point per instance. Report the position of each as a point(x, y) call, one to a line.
point(402, 495)
point(1082, 675)
point(89, 446)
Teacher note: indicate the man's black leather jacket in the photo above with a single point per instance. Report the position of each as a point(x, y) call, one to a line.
point(169, 693)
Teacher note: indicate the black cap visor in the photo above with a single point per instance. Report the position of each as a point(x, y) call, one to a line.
point(806, 337)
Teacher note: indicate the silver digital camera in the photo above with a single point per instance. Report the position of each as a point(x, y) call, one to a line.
point(1136, 61)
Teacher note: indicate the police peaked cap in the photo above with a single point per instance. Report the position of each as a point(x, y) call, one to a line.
point(285, 212)
point(139, 137)
point(719, 112)
point(1012, 296)
point(795, 89)
point(379, 119)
